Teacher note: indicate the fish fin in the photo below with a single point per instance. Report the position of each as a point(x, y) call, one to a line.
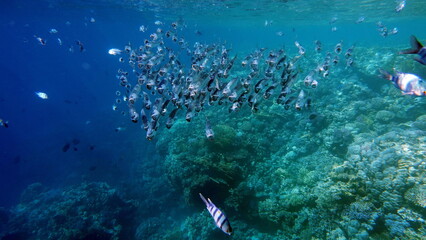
point(385, 74)
point(415, 44)
point(409, 51)
point(210, 202)
point(204, 199)
point(420, 61)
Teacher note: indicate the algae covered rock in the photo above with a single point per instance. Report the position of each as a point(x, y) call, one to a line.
point(417, 195)
point(340, 141)
point(193, 163)
point(384, 116)
point(225, 138)
point(87, 211)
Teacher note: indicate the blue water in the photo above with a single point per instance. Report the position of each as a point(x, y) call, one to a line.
point(80, 87)
point(81, 90)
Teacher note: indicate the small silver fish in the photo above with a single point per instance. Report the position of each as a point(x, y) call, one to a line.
point(360, 20)
point(314, 83)
point(144, 119)
point(393, 31)
point(142, 28)
point(349, 51)
point(41, 95)
point(209, 130)
point(300, 100)
point(317, 46)
point(189, 113)
point(40, 40)
point(150, 133)
point(219, 217)
point(146, 101)
point(349, 62)
point(171, 118)
point(302, 50)
point(268, 23)
point(400, 6)
point(333, 20)
point(53, 31)
point(114, 51)
point(308, 79)
point(134, 116)
point(338, 48)
point(119, 129)
point(234, 107)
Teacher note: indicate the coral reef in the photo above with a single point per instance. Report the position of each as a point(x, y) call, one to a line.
point(87, 211)
point(351, 168)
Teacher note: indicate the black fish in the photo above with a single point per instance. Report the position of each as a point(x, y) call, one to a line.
point(416, 48)
point(312, 116)
point(80, 44)
point(66, 147)
point(92, 147)
point(258, 86)
point(170, 120)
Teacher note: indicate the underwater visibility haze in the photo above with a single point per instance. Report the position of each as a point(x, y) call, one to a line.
point(216, 119)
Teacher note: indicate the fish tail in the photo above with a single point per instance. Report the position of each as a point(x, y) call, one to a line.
point(385, 74)
point(204, 199)
point(415, 46)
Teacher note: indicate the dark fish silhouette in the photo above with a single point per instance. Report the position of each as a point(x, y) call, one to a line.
point(417, 48)
point(66, 147)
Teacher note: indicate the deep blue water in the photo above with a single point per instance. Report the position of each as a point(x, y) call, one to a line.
point(81, 90)
point(81, 86)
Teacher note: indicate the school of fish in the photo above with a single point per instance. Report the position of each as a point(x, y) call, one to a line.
point(172, 79)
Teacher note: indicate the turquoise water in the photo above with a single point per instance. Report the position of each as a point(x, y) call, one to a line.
point(74, 166)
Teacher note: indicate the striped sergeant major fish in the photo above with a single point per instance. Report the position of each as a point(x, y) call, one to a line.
point(417, 48)
point(219, 217)
point(408, 83)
